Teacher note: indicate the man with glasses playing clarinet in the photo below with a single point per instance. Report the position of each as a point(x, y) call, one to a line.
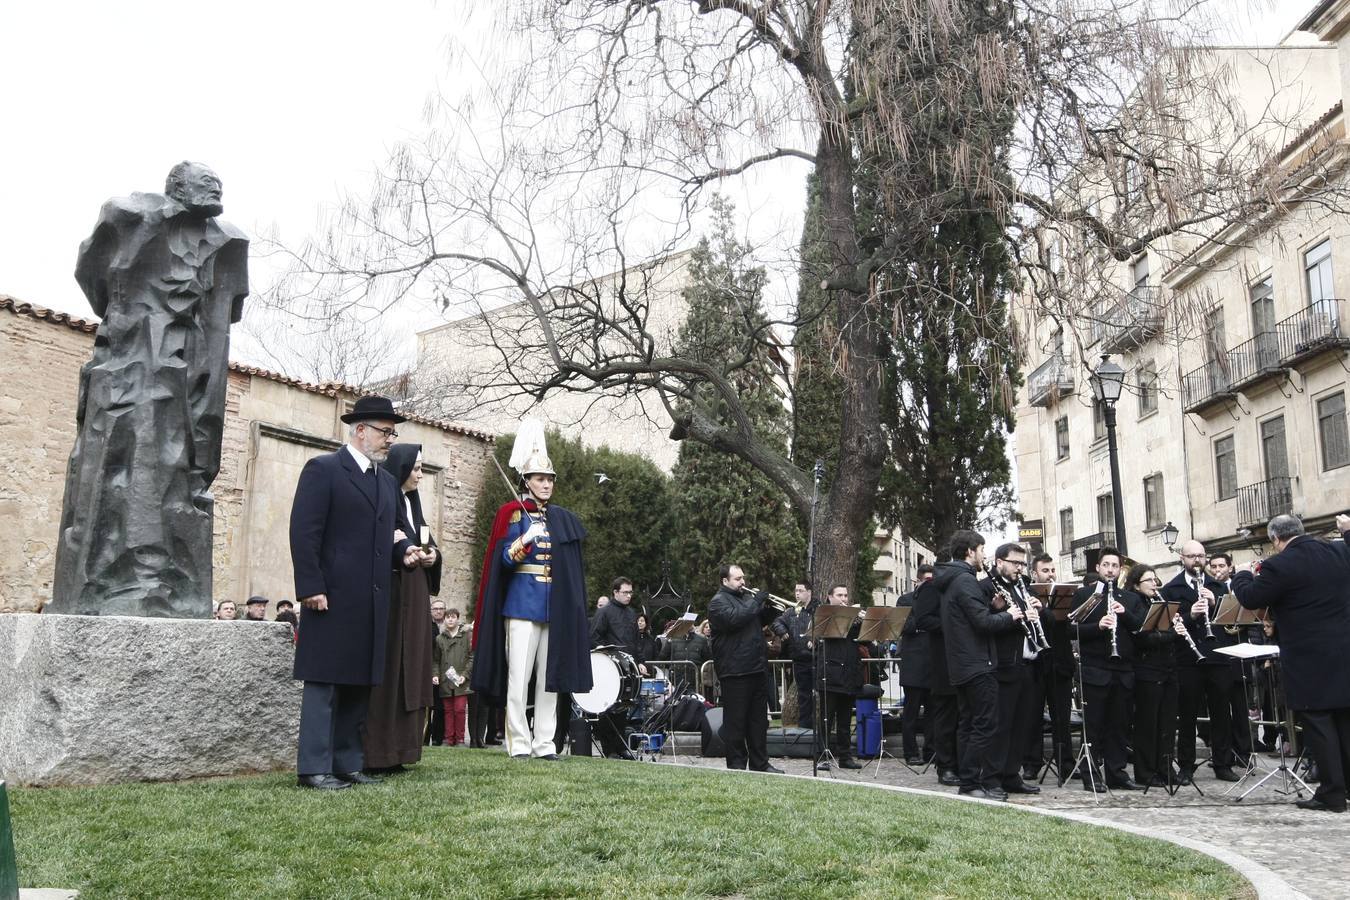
point(1017, 651)
point(1214, 678)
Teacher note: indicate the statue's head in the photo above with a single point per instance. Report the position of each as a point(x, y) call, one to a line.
point(196, 187)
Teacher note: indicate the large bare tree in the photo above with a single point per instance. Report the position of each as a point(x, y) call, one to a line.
point(590, 152)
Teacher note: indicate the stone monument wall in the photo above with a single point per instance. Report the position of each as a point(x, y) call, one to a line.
point(272, 425)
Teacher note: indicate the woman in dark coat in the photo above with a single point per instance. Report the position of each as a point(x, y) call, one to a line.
point(399, 704)
point(1155, 685)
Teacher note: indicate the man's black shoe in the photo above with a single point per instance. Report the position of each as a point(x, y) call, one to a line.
point(1224, 773)
point(913, 762)
point(322, 782)
point(1021, 787)
point(994, 793)
point(1185, 776)
point(771, 769)
point(551, 757)
point(1030, 774)
point(951, 779)
point(1124, 784)
point(1159, 781)
point(978, 793)
point(849, 762)
point(1096, 787)
point(1320, 806)
point(356, 778)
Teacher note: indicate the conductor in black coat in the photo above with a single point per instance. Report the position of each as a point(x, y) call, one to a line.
point(1304, 585)
point(969, 626)
point(342, 540)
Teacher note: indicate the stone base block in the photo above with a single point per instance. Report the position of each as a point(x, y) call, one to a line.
point(98, 699)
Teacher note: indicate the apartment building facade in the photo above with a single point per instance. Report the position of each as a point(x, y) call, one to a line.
point(1235, 351)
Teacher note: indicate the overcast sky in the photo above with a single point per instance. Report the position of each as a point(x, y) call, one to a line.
point(291, 103)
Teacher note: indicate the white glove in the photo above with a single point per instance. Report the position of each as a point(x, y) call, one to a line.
point(534, 532)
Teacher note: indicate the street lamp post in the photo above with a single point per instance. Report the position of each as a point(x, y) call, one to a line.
point(1107, 382)
point(1170, 533)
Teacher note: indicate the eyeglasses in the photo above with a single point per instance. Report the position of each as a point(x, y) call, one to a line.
point(629, 591)
point(1150, 580)
point(388, 433)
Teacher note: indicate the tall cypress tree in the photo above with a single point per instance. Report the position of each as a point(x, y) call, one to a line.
point(726, 511)
point(949, 340)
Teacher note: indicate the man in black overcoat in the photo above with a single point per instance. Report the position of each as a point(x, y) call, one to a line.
point(916, 678)
point(1304, 585)
point(969, 626)
point(342, 536)
point(943, 714)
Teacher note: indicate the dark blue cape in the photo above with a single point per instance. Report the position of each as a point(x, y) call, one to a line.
point(569, 647)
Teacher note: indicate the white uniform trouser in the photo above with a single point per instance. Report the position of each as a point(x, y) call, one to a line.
point(526, 650)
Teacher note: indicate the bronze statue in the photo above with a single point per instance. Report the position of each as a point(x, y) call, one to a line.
point(168, 279)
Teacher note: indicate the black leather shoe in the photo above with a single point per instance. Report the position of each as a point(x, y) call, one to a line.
point(1185, 776)
point(356, 778)
point(1224, 773)
point(994, 793)
point(1021, 787)
point(1320, 806)
point(1159, 781)
point(913, 761)
point(771, 769)
point(977, 792)
point(1124, 784)
point(322, 782)
point(1094, 787)
point(951, 779)
point(1031, 774)
point(849, 763)
point(551, 757)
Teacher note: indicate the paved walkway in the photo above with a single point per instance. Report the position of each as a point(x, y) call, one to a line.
point(1310, 851)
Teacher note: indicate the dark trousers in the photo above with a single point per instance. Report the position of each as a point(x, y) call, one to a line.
point(916, 698)
point(977, 700)
point(838, 727)
point(1054, 690)
point(802, 673)
point(436, 730)
point(745, 721)
point(1015, 714)
point(1155, 727)
point(1326, 734)
point(331, 716)
point(1106, 719)
point(944, 717)
point(1215, 685)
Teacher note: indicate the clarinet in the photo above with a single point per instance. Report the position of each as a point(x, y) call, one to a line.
point(1209, 632)
point(1179, 625)
point(1115, 623)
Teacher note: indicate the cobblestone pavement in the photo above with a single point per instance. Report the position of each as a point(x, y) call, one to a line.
point(1309, 850)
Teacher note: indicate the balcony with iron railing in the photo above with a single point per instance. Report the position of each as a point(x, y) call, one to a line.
point(1311, 331)
point(1049, 380)
point(1259, 503)
point(1079, 547)
point(1253, 360)
point(1206, 385)
point(1134, 319)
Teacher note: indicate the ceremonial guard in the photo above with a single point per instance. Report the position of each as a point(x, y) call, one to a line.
point(531, 610)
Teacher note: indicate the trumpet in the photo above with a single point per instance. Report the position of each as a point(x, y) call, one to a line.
point(775, 601)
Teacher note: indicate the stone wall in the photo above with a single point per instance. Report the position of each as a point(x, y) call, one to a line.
point(272, 426)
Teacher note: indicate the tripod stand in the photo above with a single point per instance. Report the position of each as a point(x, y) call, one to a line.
point(1290, 782)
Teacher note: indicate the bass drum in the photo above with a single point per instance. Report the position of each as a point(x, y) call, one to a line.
point(616, 683)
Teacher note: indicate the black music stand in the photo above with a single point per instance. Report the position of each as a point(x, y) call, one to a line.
point(826, 622)
point(1056, 599)
point(881, 624)
point(1158, 620)
point(1291, 782)
point(1075, 617)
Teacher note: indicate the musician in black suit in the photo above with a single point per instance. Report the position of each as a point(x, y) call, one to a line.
point(342, 540)
point(1304, 584)
point(1155, 683)
point(1213, 678)
point(915, 677)
point(969, 626)
point(943, 712)
point(1016, 655)
point(1105, 631)
point(1052, 687)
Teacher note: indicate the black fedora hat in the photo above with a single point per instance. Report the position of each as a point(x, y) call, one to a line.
point(373, 407)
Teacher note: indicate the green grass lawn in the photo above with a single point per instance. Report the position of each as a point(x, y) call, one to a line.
point(473, 823)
